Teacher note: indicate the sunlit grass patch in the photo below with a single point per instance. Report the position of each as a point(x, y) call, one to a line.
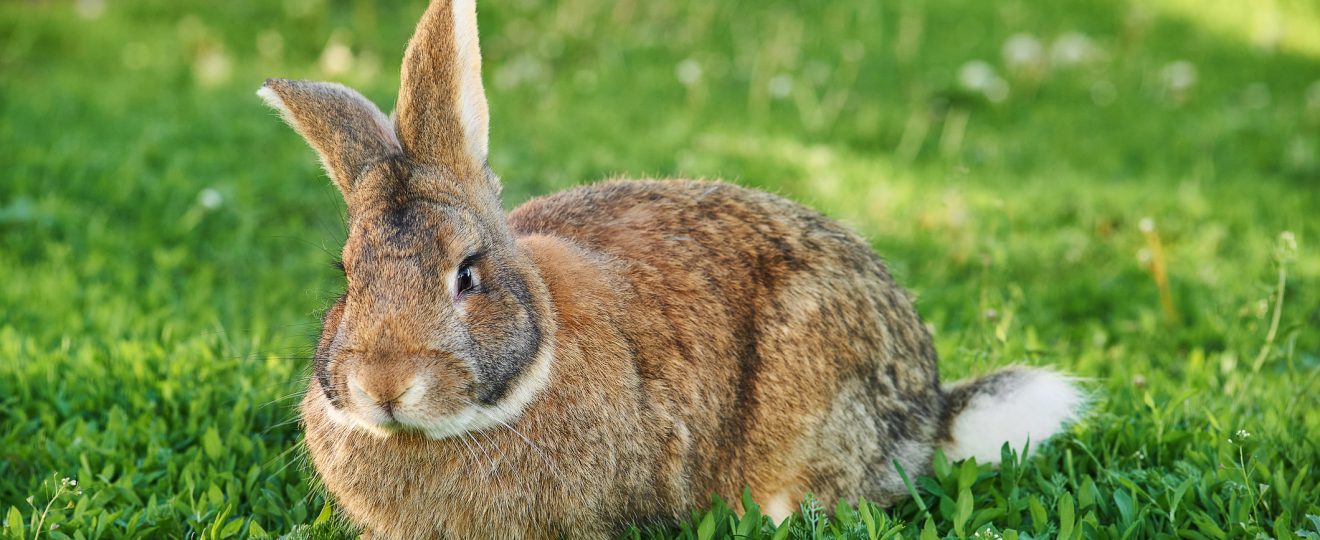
point(1282, 25)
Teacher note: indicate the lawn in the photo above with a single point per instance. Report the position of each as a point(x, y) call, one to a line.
point(1128, 190)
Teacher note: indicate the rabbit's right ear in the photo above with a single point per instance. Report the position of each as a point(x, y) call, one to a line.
point(441, 114)
point(345, 128)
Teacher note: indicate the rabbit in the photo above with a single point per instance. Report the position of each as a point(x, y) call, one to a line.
point(610, 355)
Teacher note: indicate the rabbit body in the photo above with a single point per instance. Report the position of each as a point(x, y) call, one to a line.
point(708, 337)
point(609, 355)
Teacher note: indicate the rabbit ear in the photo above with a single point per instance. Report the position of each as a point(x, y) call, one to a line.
point(345, 128)
point(441, 114)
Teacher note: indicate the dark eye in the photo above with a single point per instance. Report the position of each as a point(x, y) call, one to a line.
point(464, 282)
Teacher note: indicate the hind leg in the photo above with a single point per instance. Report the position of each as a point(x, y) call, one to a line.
point(847, 385)
point(823, 437)
point(858, 443)
point(845, 454)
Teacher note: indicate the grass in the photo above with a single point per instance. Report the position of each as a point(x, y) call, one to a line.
point(1127, 190)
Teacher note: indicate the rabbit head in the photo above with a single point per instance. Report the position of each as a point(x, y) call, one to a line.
point(445, 326)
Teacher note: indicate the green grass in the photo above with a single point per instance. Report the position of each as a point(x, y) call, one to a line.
point(165, 243)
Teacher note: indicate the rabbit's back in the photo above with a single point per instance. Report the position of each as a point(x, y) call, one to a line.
point(772, 336)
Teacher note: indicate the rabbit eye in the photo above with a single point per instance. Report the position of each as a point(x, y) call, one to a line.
point(466, 279)
point(464, 282)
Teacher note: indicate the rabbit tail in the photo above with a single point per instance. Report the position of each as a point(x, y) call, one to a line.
point(1016, 405)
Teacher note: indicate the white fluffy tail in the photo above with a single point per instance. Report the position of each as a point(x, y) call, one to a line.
point(1015, 405)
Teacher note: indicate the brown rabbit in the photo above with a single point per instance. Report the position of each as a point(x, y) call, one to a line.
point(608, 355)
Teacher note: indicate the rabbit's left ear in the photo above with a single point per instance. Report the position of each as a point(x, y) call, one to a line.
point(441, 115)
point(345, 128)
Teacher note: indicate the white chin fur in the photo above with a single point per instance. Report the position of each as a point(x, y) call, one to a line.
point(471, 418)
point(1034, 409)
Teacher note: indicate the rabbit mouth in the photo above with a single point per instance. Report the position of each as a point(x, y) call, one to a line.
point(407, 414)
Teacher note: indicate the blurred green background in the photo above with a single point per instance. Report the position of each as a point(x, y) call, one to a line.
point(1125, 189)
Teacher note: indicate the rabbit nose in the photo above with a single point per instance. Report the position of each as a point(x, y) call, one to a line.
point(384, 389)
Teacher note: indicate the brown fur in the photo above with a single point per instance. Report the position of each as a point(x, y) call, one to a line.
point(643, 344)
point(684, 365)
point(430, 127)
point(346, 129)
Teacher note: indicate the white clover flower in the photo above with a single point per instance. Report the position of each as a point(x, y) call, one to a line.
point(1071, 49)
point(1023, 50)
point(337, 58)
point(781, 85)
point(1262, 308)
point(980, 77)
point(1179, 76)
point(211, 67)
point(817, 72)
point(89, 9)
point(210, 199)
point(688, 72)
point(976, 75)
point(1288, 241)
point(998, 92)
point(270, 43)
point(1147, 225)
point(524, 69)
point(1300, 153)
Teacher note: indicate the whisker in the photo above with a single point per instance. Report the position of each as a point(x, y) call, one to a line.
point(503, 449)
point(294, 448)
point(282, 399)
point(469, 450)
point(554, 469)
point(482, 448)
point(292, 420)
